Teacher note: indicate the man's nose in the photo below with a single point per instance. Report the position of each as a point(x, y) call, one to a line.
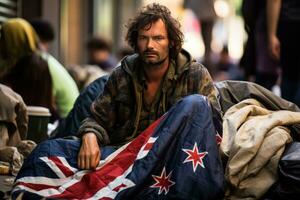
point(150, 43)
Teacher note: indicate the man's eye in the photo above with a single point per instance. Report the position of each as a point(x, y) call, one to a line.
point(142, 37)
point(158, 38)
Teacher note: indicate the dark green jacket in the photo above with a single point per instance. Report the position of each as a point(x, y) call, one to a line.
point(116, 112)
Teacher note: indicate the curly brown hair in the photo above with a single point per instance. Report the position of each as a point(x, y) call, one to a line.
point(149, 14)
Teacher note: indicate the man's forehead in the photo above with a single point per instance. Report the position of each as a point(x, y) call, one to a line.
point(158, 24)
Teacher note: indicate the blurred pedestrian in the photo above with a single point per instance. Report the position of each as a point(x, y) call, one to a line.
point(99, 53)
point(45, 31)
point(267, 68)
point(256, 61)
point(248, 59)
point(204, 10)
point(283, 20)
point(226, 69)
point(101, 62)
point(18, 39)
point(31, 78)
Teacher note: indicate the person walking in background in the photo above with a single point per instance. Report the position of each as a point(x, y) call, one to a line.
point(18, 39)
point(283, 20)
point(256, 61)
point(226, 69)
point(248, 60)
point(45, 31)
point(100, 62)
point(267, 68)
point(204, 10)
point(99, 53)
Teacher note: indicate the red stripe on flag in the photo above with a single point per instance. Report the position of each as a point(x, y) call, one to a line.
point(67, 172)
point(94, 181)
point(37, 186)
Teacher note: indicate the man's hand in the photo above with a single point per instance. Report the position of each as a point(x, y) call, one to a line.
point(89, 154)
point(274, 47)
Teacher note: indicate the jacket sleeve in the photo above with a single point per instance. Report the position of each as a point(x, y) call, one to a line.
point(103, 110)
point(206, 87)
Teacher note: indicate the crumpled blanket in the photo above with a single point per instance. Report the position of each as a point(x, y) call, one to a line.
point(254, 139)
point(13, 117)
point(13, 129)
point(15, 155)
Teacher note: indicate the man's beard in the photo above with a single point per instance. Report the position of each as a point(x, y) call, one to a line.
point(152, 64)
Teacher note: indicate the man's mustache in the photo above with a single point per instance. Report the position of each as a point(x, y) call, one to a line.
point(149, 52)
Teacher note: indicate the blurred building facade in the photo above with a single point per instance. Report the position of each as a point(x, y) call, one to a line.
point(74, 22)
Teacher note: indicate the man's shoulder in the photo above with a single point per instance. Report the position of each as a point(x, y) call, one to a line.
point(196, 73)
point(186, 63)
point(120, 75)
point(196, 67)
point(126, 67)
point(196, 64)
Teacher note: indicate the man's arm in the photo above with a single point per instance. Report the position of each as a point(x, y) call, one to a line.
point(93, 135)
point(273, 12)
point(89, 153)
point(94, 130)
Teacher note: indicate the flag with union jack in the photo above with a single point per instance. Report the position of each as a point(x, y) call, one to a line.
point(174, 158)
